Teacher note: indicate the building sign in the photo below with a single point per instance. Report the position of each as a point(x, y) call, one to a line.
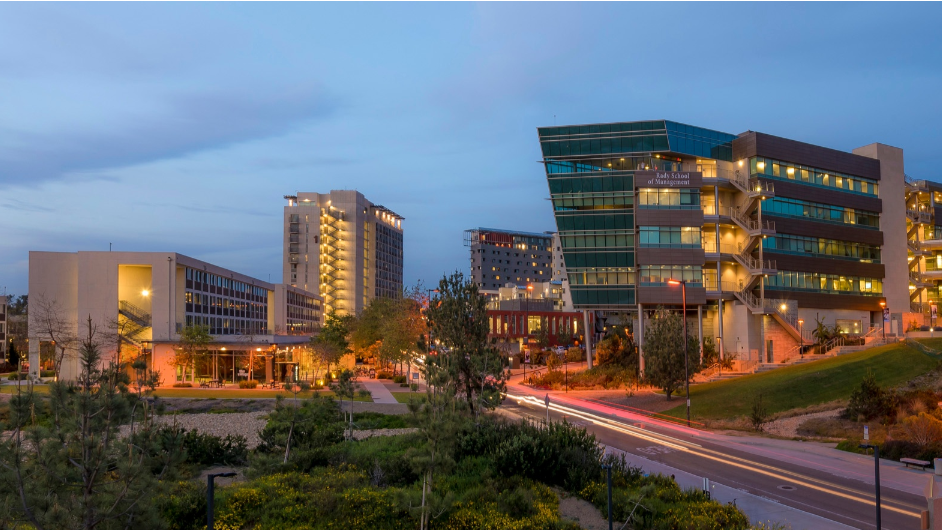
point(668, 179)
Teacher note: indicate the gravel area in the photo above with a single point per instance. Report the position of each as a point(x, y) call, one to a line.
point(361, 435)
point(245, 423)
point(583, 513)
point(788, 427)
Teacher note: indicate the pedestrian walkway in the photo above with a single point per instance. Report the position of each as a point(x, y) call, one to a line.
point(378, 391)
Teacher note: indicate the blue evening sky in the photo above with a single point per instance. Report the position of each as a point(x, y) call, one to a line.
point(179, 127)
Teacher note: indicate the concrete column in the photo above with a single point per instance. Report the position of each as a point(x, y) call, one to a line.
point(639, 336)
point(588, 337)
point(720, 313)
point(700, 329)
point(34, 357)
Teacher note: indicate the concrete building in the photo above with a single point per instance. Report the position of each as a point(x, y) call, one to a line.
point(770, 234)
point(499, 257)
point(162, 293)
point(343, 247)
point(924, 246)
point(559, 273)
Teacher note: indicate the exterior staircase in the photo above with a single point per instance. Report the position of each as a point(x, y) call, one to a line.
point(135, 314)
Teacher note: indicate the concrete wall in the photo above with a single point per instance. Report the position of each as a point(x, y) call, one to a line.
point(892, 222)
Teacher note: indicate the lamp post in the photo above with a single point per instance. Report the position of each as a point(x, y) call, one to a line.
point(683, 290)
point(801, 337)
point(876, 473)
point(210, 493)
point(526, 330)
point(883, 318)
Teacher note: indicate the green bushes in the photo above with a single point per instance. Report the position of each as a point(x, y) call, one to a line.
point(208, 450)
point(17, 377)
point(251, 383)
point(384, 375)
point(183, 507)
point(869, 401)
point(607, 377)
point(183, 385)
point(399, 379)
point(47, 373)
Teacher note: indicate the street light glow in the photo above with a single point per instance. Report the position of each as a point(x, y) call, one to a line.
point(145, 293)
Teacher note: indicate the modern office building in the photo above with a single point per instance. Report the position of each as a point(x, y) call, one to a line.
point(499, 257)
point(159, 294)
point(924, 242)
point(343, 247)
point(768, 233)
point(559, 273)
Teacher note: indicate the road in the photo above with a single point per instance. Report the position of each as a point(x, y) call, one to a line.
point(810, 488)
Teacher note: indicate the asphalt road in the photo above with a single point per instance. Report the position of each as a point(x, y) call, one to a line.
point(839, 499)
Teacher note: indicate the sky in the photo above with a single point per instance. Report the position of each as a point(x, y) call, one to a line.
point(181, 126)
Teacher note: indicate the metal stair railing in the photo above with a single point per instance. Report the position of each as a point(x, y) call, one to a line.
point(132, 312)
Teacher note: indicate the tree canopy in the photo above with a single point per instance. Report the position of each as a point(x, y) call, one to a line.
point(664, 352)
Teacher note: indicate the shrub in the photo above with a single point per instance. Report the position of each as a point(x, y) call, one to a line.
point(759, 414)
point(399, 379)
point(414, 387)
point(553, 361)
point(208, 450)
point(869, 401)
point(607, 377)
point(384, 375)
point(17, 377)
point(183, 385)
point(6, 367)
point(575, 355)
point(184, 506)
point(923, 429)
point(47, 373)
point(251, 383)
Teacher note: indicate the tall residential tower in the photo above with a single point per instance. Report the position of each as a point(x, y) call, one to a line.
point(343, 247)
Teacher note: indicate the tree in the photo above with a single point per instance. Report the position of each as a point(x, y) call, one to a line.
point(664, 352)
point(617, 349)
point(564, 336)
point(194, 341)
point(343, 387)
point(17, 305)
point(51, 323)
point(458, 318)
point(73, 470)
point(438, 418)
point(125, 334)
point(542, 334)
point(328, 346)
point(14, 355)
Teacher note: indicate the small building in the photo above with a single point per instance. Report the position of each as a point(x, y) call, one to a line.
point(257, 327)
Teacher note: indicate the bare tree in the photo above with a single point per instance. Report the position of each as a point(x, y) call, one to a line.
point(51, 323)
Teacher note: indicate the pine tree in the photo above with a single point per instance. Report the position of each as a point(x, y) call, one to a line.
point(72, 470)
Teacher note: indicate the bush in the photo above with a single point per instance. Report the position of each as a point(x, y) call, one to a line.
point(384, 375)
point(399, 379)
point(869, 401)
point(208, 450)
point(47, 373)
point(414, 387)
point(248, 384)
point(6, 367)
point(184, 506)
point(183, 385)
point(575, 355)
point(759, 414)
point(607, 377)
point(17, 377)
point(923, 430)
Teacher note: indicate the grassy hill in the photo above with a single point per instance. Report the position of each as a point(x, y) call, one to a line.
point(805, 384)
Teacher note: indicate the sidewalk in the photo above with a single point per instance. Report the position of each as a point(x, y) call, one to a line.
point(378, 390)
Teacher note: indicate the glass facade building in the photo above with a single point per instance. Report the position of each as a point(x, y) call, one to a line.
point(762, 229)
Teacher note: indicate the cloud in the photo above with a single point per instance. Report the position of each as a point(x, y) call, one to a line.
point(184, 123)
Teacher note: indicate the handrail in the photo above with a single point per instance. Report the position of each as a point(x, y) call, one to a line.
point(135, 313)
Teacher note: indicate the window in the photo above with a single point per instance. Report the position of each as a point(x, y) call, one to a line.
point(765, 167)
point(669, 198)
point(655, 275)
point(670, 236)
point(825, 283)
point(792, 244)
point(821, 212)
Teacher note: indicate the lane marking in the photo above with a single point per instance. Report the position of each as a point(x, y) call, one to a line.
point(764, 469)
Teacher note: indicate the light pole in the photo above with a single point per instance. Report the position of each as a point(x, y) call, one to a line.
point(526, 331)
point(210, 493)
point(801, 337)
point(683, 290)
point(883, 318)
point(876, 472)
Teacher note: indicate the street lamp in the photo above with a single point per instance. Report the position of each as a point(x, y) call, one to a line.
point(801, 337)
point(210, 487)
point(883, 317)
point(683, 290)
point(526, 330)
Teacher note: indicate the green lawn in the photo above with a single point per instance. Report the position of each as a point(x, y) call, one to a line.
point(11, 389)
point(804, 385)
point(238, 393)
point(404, 397)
